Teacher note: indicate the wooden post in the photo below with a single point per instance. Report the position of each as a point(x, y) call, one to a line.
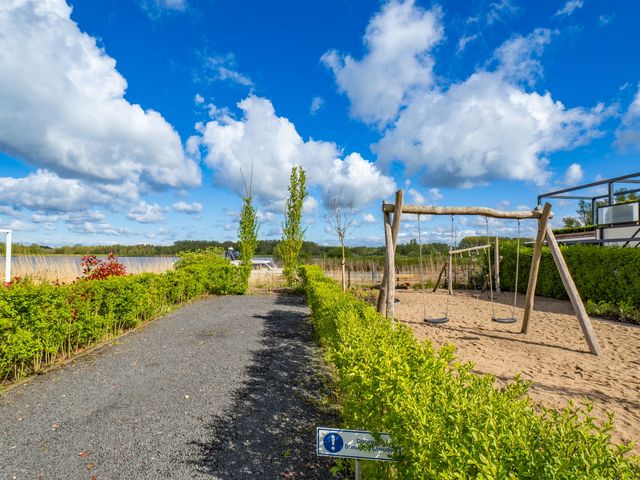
point(382, 295)
point(497, 269)
point(535, 266)
point(572, 291)
point(397, 213)
point(450, 274)
point(444, 268)
point(391, 273)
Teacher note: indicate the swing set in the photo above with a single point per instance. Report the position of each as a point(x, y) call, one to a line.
point(392, 214)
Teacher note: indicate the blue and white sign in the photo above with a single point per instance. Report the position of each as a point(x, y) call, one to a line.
point(336, 442)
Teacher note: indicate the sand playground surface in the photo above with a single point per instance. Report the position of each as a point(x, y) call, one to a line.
point(553, 355)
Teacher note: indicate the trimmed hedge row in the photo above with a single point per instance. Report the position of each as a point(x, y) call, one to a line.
point(448, 422)
point(608, 279)
point(39, 323)
point(581, 228)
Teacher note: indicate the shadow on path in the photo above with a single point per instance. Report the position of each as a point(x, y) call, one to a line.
point(270, 431)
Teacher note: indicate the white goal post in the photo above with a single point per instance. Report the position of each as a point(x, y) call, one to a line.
point(7, 255)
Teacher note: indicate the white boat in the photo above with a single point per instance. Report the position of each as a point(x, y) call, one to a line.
point(261, 265)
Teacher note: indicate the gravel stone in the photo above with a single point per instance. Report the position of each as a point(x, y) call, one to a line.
point(224, 388)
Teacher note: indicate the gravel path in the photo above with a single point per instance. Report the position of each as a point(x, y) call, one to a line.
point(227, 388)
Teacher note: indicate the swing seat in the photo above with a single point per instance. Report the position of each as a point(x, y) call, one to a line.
point(436, 321)
point(504, 320)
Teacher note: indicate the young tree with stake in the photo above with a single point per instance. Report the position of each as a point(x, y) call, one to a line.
point(340, 219)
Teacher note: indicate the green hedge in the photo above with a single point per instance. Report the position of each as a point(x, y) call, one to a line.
point(580, 229)
point(608, 279)
point(40, 323)
point(448, 422)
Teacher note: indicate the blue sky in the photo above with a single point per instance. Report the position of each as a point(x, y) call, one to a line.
point(130, 121)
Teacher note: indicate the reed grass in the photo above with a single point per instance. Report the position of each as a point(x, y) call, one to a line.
point(360, 273)
point(266, 280)
point(67, 269)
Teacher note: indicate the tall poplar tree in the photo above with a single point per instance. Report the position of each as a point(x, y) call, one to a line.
point(292, 230)
point(247, 230)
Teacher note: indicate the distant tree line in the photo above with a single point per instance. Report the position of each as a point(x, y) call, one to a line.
point(264, 248)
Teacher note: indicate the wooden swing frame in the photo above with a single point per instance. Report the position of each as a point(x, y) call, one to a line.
point(541, 214)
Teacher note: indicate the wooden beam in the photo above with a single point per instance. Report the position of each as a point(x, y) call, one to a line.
point(535, 266)
point(391, 277)
point(487, 212)
point(572, 291)
point(470, 249)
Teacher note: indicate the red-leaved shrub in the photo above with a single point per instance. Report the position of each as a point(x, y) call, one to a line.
point(95, 269)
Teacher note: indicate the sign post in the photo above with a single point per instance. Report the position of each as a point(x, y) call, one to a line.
point(7, 255)
point(355, 444)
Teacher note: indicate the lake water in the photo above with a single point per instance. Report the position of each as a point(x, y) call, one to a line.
point(36, 260)
point(67, 267)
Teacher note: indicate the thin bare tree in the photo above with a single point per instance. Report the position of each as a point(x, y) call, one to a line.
point(340, 219)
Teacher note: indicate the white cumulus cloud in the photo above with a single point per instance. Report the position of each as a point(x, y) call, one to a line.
point(9, 211)
point(573, 174)
point(155, 8)
point(435, 194)
point(270, 146)
point(482, 129)
point(501, 10)
point(570, 7)
point(491, 125)
point(368, 218)
point(70, 217)
point(188, 208)
point(147, 213)
point(316, 104)
point(62, 105)
point(464, 41)
point(43, 190)
point(223, 68)
point(20, 226)
point(628, 133)
point(398, 41)
point(101, 228)
point(518, 56)
point(415, 197)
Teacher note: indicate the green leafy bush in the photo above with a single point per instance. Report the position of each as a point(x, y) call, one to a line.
point(580, 229)
point(607, 278)
point(39, 323)
point(448, 422)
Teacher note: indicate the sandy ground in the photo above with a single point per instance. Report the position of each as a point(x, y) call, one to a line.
point(553, 355)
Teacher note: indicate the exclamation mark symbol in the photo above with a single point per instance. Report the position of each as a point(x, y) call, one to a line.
point(333, 442)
